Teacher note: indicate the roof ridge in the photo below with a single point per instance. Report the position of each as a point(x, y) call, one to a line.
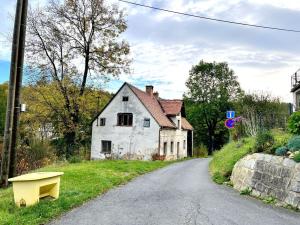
point(153, 105)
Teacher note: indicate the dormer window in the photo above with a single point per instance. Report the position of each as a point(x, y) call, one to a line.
point(125, 98)
point(178, 124)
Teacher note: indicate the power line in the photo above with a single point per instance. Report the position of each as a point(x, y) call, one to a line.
point(212, 19)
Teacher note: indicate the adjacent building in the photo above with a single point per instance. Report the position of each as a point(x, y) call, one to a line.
point(138, 124)
point(295, 89)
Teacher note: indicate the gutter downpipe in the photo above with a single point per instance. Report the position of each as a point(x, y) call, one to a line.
point(160, 128)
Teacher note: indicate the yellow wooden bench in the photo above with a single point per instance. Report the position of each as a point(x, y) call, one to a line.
point(29, 188)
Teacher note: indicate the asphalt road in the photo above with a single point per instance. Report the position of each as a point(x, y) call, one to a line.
point(180, 194)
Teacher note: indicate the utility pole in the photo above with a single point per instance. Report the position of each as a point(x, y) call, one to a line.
point(17, 56)
point(17, 104)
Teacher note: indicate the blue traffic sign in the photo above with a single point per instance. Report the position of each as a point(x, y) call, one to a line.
point(229, 123)
point(230, 114)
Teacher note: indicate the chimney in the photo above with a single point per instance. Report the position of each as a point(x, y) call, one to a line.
point(156, 95)
point(149, 90)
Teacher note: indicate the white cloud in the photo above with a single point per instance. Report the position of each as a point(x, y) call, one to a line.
point(165, 46)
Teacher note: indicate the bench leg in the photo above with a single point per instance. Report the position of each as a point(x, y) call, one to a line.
point(54, 192)
point(26, 195)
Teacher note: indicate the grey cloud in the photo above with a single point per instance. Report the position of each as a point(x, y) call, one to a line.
point(206, 33)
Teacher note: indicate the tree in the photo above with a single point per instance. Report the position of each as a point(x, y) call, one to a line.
point(74, 45)
point(212, 87)
point(41, 122)
point(3, 98)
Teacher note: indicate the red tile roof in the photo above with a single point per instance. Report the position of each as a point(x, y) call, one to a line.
point(153, 106)
point(185, 124)
point(171, 107)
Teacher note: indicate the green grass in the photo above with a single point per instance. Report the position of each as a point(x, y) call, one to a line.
point(80, 182)
point(223, 161)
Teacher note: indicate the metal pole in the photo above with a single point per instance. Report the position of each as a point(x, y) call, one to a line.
point(10, 98)
point(19, 75)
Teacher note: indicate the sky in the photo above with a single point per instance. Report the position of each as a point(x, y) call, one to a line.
point(165, 46)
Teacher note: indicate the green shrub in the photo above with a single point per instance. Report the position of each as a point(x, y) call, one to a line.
point(34, 155)
point(281, 138)
point(219, 178)
point(201, 151)
point(296, 157)
point(281, 151)
point(264, 142)
point(74, 159)
point(246, 191)
point(294, 144)
point(294, 123)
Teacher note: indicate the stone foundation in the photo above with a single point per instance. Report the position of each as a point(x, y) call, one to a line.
point(269, 175)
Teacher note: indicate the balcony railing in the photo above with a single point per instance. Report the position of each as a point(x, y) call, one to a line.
point(295, 79)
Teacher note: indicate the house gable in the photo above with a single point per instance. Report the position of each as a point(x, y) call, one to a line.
point(118, 105)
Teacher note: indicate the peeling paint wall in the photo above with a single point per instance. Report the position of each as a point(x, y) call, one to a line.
point(135, 142)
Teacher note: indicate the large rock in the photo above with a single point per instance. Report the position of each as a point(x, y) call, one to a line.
point(268, 175)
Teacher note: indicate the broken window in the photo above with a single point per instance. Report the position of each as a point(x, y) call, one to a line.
point(125, 119)
point(106, 147)
point(125, 98)
point(146, 122)
point(172, 147)
point(102, 121)
point(165, 148)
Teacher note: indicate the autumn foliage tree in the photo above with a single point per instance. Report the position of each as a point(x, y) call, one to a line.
point(75, 46)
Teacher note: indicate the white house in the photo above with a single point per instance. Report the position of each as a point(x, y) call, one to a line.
point(137, 124)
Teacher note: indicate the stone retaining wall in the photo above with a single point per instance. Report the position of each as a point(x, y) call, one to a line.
point(269, 175)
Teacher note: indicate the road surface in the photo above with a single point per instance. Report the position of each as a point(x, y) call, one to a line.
point(180, 194)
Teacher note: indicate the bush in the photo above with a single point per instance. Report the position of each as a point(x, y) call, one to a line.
point(219, 178)
point(281, 151)
point(201, 151)
point(294, 144)
point(264, 142)
point(294, 123)
point(35, 155)
point(74, 159)
point(296, 157)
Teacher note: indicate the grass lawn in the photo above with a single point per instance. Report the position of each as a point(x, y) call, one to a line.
point(223, 160)
point(81, 182)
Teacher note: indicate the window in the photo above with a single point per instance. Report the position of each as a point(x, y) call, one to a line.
point(106, 147)
point(184, 144)
point(178, 124)
point(146, 122)
point(124, 119)
point(172, 147)
point(165, 148)
point(125, 98)
point(102, 121)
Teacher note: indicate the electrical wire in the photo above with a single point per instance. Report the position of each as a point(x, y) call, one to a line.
point(212, 19)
